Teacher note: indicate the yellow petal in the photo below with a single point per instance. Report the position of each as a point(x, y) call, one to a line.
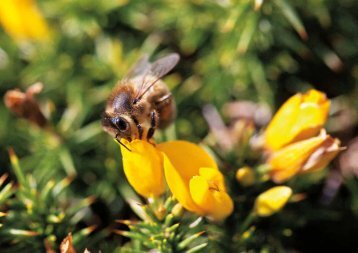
point(179, 187)
point(187, 157)
point(143, 167)
point(224, 206)
point(38, 28)
point(216, 204)
point(281, 124)
point(316, 97)
point(313, 113)
point(299, 118)
point(10, 18)
point(289, 160)
point(182, 161)
point(272, 200)
point(200, 193)
point(214, 176)
point(21, 19)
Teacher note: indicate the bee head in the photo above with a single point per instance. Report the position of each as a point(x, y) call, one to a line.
point(118, 126)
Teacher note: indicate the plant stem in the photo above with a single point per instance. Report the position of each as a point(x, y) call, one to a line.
point(247, 222)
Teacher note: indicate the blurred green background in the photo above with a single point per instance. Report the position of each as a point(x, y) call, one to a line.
point(229, 52)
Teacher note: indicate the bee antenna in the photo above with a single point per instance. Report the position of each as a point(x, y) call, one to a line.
point(121, 143)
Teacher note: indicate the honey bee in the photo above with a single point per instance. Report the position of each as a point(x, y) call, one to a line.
point(141, 102)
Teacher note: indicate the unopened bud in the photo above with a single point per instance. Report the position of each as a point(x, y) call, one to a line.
point(245, 176)
point(272, 200)
point(177, 210)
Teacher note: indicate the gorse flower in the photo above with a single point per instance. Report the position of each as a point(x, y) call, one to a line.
point(191, 174)
point(300, 117)
point(22, 20)
point(303, 156)
point(272, 200)
point(195, 180)
point(292, 139)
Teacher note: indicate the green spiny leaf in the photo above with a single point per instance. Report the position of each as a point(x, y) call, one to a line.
point(291, 15)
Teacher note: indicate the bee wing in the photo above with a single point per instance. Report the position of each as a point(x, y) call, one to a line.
point(163, 65)
point(141, 67)
point(157, 69)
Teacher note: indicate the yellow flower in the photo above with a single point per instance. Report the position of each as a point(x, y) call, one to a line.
point(21, 19)
point(245, 176)
point(191, 174)
point(272, 200)
point(303, 156)
point(195, 180)
point(300, 117)
point(143, 168)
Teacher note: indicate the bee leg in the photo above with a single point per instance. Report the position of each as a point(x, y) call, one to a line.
point(140, 130)
point(139, 127)
point(153, 124)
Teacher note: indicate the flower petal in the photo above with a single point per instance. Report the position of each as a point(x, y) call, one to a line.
point(300, 117)
point(182, 161)
point(143, 167)
point(289, 160)
point(224, 206)
point(282, 122)
point(213, 175)
point(179, 187)
point(312, 116)
point(200, 193)
point(187, 157)
point(323, 155)
point(216, 204)
point(15, 16)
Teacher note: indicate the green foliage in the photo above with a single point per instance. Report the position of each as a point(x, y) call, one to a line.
point(44, 210)
point(164, 229)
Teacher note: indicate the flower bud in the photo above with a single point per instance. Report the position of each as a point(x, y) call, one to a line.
point(177, 210)
point(245, 176)
point(272, 200)
point(25, 105)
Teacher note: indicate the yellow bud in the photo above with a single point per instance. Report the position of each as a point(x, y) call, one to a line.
point(300, 117)
point(245, 176)
point(177, 210)
point(272, 200)
point(160, 212)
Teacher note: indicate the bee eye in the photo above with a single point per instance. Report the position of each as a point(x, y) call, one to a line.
point(121, 124)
